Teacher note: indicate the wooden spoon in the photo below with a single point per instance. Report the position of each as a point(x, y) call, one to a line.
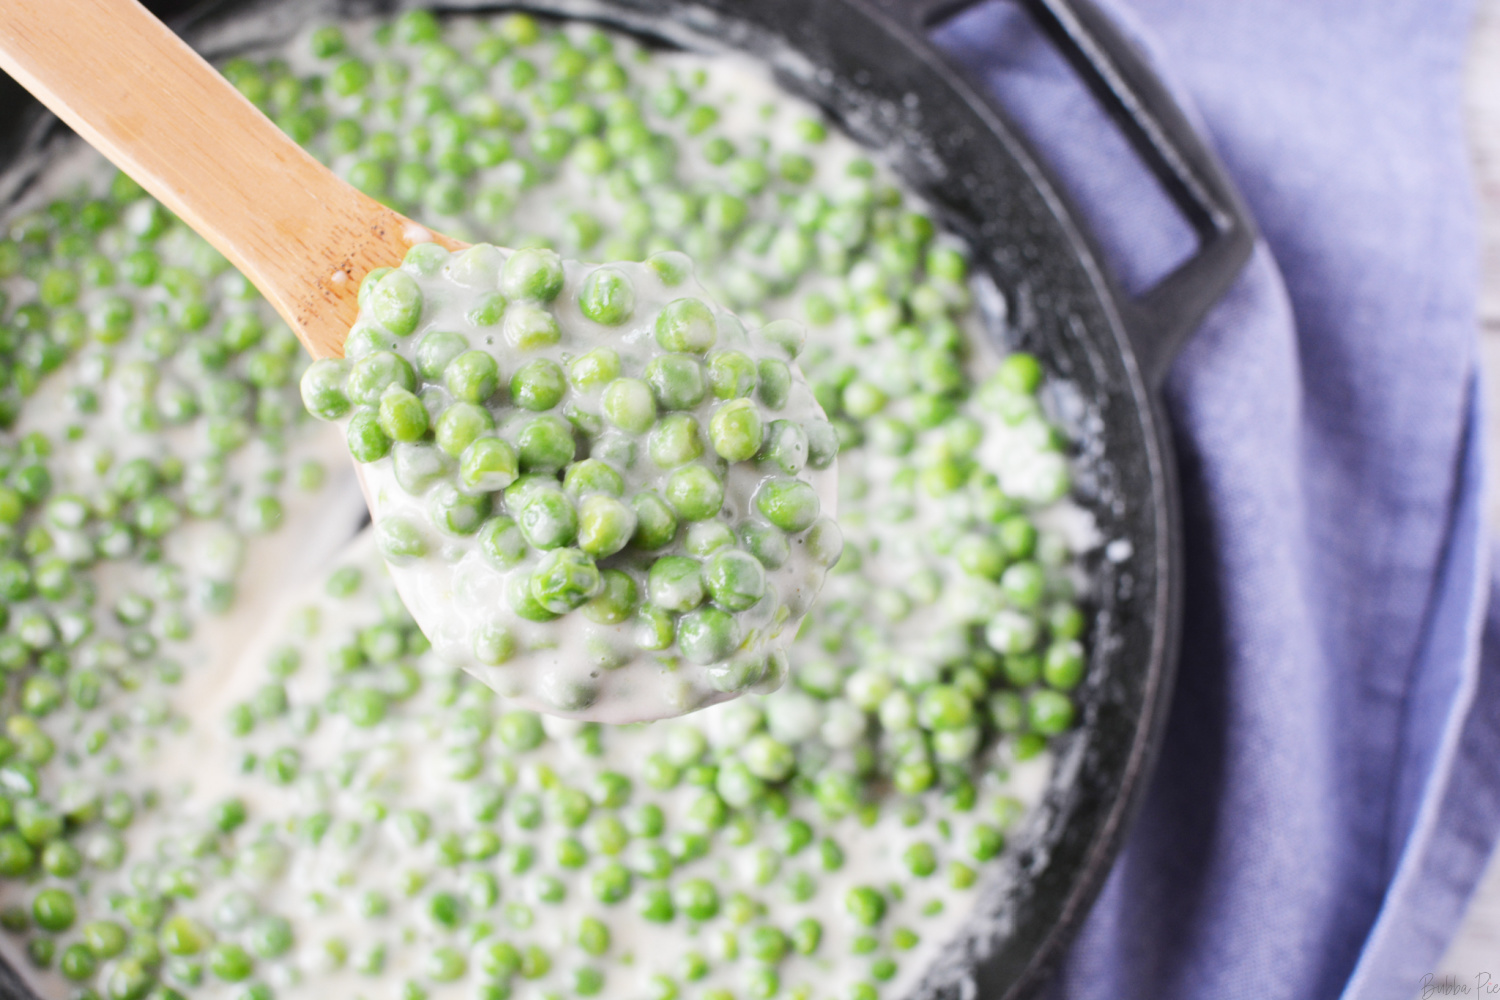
point(138, 94)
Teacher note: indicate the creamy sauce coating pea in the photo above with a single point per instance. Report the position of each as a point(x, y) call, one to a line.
point(598, 492)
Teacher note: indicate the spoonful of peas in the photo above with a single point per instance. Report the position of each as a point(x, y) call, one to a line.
point(596, 490)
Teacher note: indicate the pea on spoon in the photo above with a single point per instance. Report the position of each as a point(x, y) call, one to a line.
point(596, 491)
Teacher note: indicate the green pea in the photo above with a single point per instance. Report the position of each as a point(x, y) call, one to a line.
point(1063, 664)
point(396, 303)
point(707, 635)
point(866, 905)
point(789, 504)
point(521, 600)
point(551, 144)
point(592, 475)
point(402, 416)
point(548, 519)
point(54, 909)
point(1065, 621)
point(616, 601)
point(535, 963)
point(349, 77)
point(498, 960)
point(488, 311)
point(774, 382)
point(184, 936)
point(502, 542)
point(460, 425)
point(696, 492)
point(724, 213)
point(419, 465)
point(532, 274)
point(61, 859)
point(822, 443)
point(647, 820)
point(529, 328)
point(787, 334)
point(672, 267)
point(630, 405)
point(676, 381)
point(426, 258)
point(736, 430)
point(748, 175)
point(472, 377)
point(920, 859)
point(1020, 372)
point(436, 350)
point(230, 962)
point(607, 296)
point(890, 436)
point(478, 266)
point(520, 730)
point(595, 369)
point(487, 464)
point(766, 543)
point(1023, 585)
point(363, 340)
point(731, 374)
point(128, 979)
point(806, 935)
point(697, 899)
point(768, 944)
point(323, 388)
point(912, 777)
point(376, 372)
point(944, 707)
point(593, 936)
point(446, 964)
point(399, 540)
point(736, 580)
point(605, 525)
point(493, 644)
point(862, 399)
point(1022, 669)
point(674, 441)
point(564, 579)
point(326, 42)
point(368, 442)
point(571, 854)
point(1049, 712)
point(738, 674)
point(837, 794)
point(58, 288)
point(656, 524)
point(656, 903)
point(786, 444)
point(104, 938)
point(675, 583)
point(686, 326)
point(77, 962)
point(538, 385)
point(545, 444)
point(456, 512)
point(825, 542)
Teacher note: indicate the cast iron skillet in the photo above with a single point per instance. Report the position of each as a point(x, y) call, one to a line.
point(869, 64)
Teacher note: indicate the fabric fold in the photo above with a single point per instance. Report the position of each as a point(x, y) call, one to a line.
point(1320, 811)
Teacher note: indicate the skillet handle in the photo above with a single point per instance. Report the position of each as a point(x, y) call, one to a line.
point(1160, 320)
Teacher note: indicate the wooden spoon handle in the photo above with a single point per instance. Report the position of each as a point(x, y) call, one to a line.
point(143, 98)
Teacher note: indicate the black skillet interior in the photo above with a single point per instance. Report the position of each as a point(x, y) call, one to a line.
point(867, 63)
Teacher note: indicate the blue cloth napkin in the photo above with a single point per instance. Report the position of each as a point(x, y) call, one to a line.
point(1329, 788)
